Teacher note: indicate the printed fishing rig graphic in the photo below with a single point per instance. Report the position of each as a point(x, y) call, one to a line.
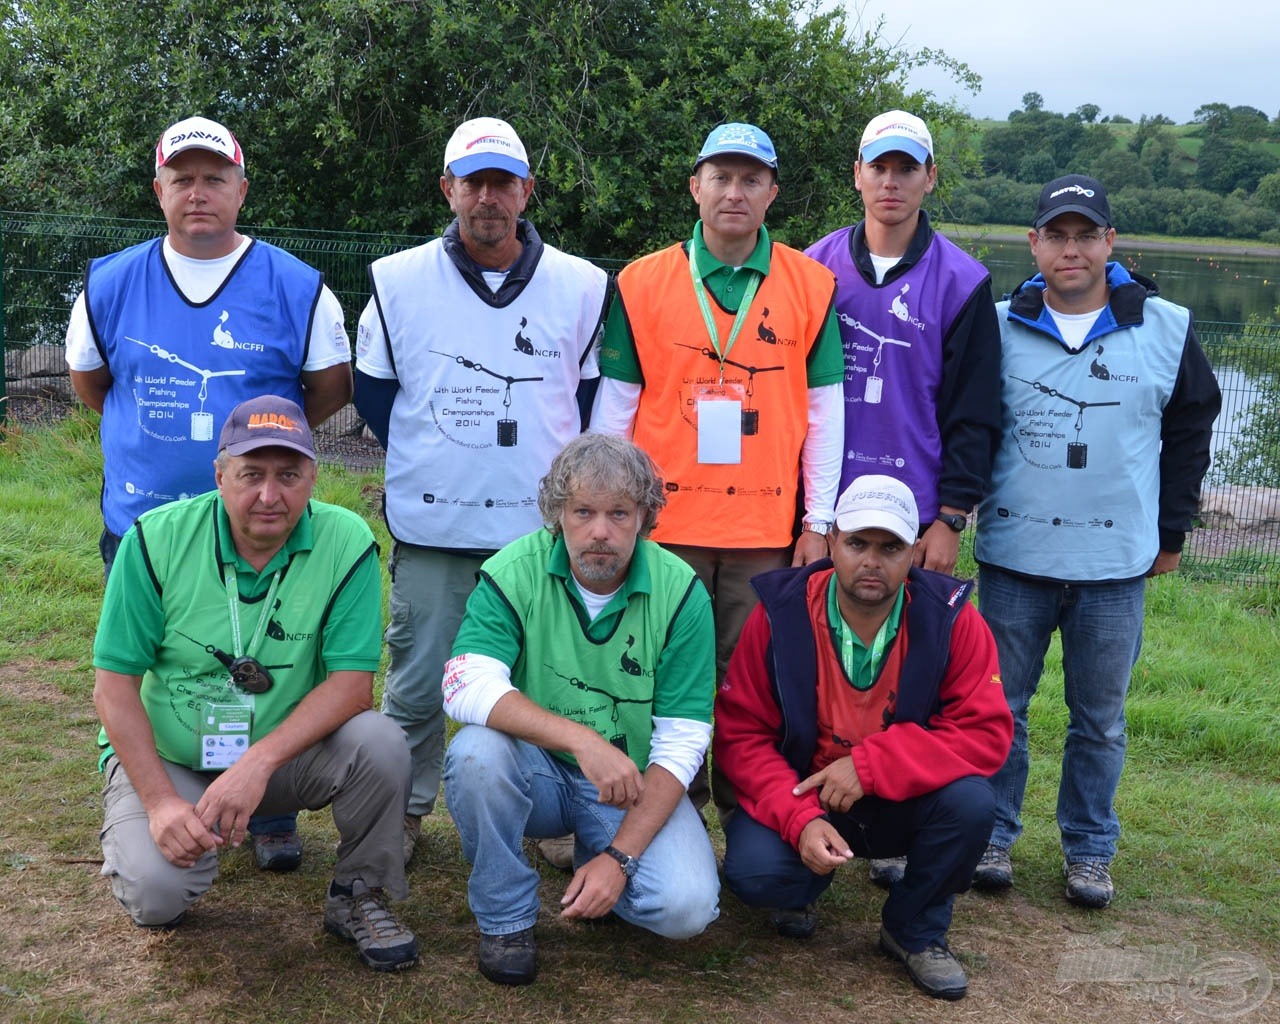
point(507, 427)
point(1077, 450)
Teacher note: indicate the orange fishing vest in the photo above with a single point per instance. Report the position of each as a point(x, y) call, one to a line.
point(751, 504)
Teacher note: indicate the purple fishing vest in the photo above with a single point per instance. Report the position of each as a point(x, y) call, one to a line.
point(893, 338)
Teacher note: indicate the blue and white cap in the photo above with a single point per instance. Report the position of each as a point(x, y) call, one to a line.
point(738, 139)
point(485, 143)
point(896, 131)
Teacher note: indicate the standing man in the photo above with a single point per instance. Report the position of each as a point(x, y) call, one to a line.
point(234, 672)
point(583, 676)
point(721, 358)
point(1094, 488)
point(861, 715)
point(169, 335)
point(468, 361)
point(921, 348)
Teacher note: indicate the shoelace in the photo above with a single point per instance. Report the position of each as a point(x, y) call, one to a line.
point(372, 908)
point(1090, 871)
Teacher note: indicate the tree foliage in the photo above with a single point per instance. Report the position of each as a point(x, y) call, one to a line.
point(344, 106)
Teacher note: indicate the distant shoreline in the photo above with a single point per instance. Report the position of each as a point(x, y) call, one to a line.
point(976, 233)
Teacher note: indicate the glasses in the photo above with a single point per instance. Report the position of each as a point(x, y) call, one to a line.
point(1057, 240)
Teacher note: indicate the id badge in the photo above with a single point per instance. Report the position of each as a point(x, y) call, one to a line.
point(719, 424)
point(224, 734)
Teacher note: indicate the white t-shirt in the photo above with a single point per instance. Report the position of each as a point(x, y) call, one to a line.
point(198, 280)
point(1073, 326)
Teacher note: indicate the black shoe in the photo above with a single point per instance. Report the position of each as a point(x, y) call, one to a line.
point(509, 959)
point(799, 923)
point(887, 872)
point(277, 851)
point(935, 970)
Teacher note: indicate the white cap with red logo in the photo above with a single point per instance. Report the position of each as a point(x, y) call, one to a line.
point(198, 133)
point(485, 143)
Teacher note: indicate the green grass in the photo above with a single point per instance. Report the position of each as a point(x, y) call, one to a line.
point(1199, 803)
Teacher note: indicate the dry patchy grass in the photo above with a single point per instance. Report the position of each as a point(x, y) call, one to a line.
point(253, 950)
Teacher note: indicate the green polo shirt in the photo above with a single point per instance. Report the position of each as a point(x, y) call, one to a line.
point(825, 362)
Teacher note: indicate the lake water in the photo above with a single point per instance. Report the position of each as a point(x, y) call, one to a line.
point(1224, 288)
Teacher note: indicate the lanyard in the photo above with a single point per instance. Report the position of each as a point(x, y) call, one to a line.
point(850, 645)
point(233, 608)
point(700, 290)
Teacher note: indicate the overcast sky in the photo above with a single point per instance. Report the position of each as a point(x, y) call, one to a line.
point(1130, 57)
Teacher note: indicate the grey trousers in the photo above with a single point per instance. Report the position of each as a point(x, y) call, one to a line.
point(361, 769)
point(429, 591)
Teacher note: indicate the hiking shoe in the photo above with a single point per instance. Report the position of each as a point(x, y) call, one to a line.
point(509, 959)
point(994, 872)
point(1089, 884)
point(935, 970)
point(558, 852)
point(795, 924)
point(277, 851)
point(360, 915)
point(887, 871)
point(412, 833)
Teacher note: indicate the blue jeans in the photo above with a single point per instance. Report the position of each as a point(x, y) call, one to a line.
point(1101, 627)
point(500, 790)
point(942, 833)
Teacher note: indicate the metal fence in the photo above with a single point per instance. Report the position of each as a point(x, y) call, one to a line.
point(44, 256)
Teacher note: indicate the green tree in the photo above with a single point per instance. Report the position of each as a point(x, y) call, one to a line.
point(1268, 191)
point(344, 106)
point(1032, 101)
point(1088, 112)
point(1227, 165)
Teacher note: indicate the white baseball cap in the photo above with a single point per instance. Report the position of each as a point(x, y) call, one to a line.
point(485, 143)
point(198, 133)
point(896, 131)
point(875, 502)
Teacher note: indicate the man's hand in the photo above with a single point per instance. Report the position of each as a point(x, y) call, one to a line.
point(594, 888)
point(1166, 561)
point(612, 772)
point(822, 848)
point(938, 548)
point(231, 799)
point(179, 833)
point(837, 784)
point(810, 547)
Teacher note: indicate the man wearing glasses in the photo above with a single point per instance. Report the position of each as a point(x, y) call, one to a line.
point(1107, 412)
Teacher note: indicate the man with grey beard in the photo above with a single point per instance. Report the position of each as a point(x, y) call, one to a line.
point(583, 675)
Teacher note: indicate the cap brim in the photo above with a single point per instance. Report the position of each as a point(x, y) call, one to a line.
point(754, 154)
point(1086, 211)
point(254, 443)
point(476, 162)
point(895, 144)
point(876, 519)
point(197, 144)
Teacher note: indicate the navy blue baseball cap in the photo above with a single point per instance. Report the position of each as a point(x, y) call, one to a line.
point(1073, 193)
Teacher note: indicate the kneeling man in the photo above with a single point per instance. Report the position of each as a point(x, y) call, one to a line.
point(862, 715)
point(584, 674)
point(234, 675)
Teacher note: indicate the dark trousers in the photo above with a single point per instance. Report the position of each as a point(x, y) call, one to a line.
point(943, 834)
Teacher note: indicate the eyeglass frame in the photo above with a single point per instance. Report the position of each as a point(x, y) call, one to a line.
point(1084, 240)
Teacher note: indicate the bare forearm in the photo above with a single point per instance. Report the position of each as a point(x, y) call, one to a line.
point(341, 697)
point(662, 792)
point(119, 705)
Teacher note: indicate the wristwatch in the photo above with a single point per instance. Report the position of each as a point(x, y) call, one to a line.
point(818, 526)
point(625, 861)
point(955, 520)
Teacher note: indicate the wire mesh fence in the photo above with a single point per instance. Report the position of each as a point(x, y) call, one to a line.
point(1237, 539)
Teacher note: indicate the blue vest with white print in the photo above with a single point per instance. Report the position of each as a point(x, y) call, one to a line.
point(1076, 481)
point(178, 368)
